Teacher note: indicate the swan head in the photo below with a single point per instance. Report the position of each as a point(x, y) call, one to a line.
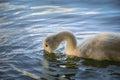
point(50, 43)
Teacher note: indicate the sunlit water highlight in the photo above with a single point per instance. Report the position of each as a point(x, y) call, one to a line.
point(25, 23)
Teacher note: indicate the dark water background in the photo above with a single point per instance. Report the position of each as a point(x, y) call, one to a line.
point(25, 23)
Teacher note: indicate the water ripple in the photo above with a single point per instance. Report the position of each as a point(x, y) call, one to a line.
point(25, 23)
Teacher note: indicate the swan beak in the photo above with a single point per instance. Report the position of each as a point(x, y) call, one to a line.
point(46, 52)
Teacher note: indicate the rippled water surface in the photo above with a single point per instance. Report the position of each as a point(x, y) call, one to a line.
point(25, 23)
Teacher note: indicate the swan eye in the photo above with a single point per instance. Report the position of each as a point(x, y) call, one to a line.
point(46, 45)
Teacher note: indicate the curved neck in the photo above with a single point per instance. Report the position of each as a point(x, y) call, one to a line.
point(71, 45)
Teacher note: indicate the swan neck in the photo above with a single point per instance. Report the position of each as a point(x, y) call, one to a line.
point(70, 39)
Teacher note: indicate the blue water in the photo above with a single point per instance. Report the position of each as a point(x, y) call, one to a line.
point(25, 23)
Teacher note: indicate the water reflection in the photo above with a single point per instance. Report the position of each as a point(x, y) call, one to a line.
point(59, 65)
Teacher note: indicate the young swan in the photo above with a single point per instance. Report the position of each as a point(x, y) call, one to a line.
point(105, 46)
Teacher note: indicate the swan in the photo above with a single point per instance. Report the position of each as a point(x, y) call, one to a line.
point(103, 46)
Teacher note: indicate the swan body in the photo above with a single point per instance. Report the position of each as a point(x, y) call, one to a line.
point(103, 46)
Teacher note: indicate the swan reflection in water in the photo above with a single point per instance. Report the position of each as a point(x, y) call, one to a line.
point(66, 66)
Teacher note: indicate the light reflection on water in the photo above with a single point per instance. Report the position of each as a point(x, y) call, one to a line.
point(25, 23)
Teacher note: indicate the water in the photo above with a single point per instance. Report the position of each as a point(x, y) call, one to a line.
point(25, 23)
